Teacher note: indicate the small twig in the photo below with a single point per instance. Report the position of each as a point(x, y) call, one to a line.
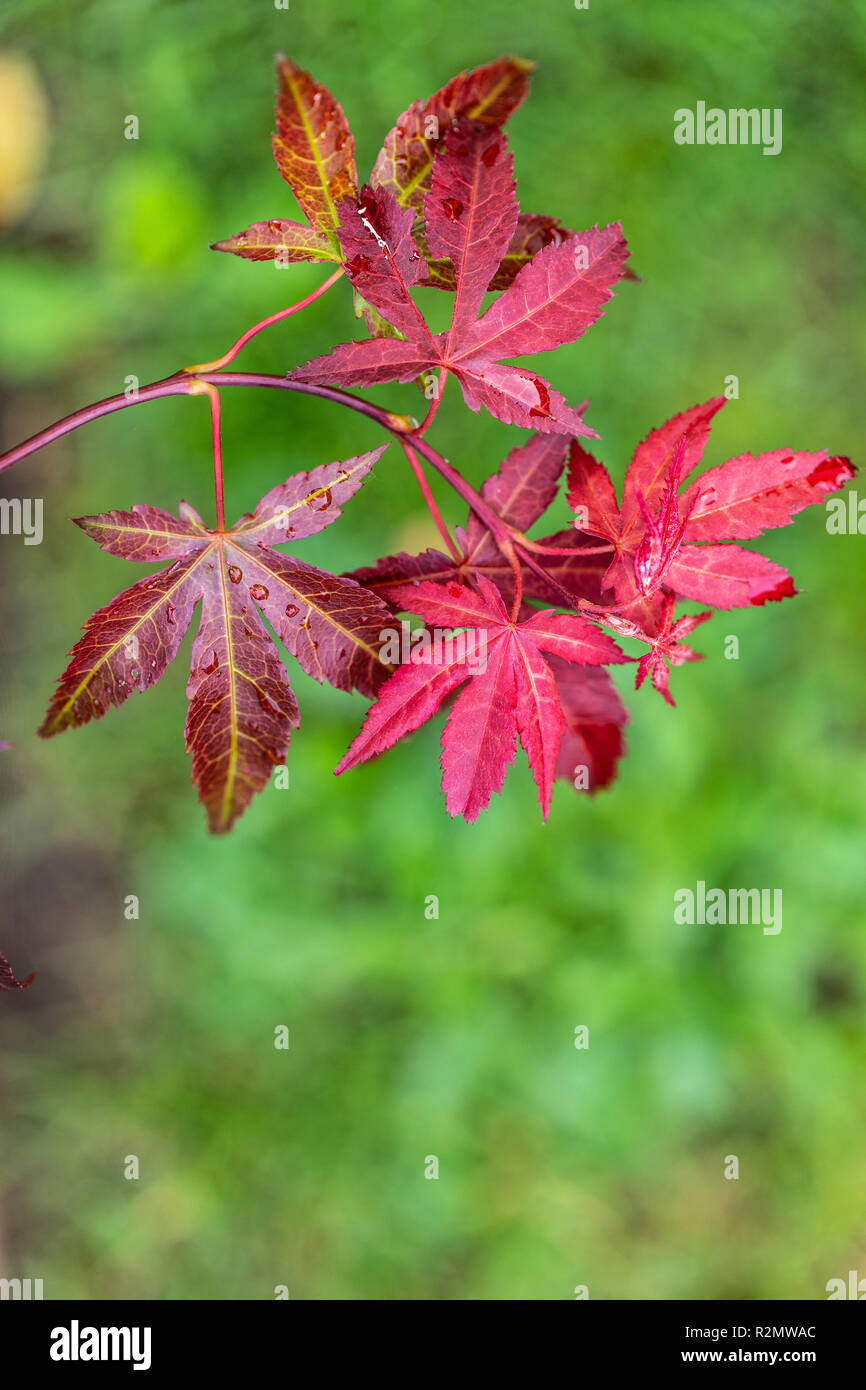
point(233, 351)
point(430, 500)
point(205, 388)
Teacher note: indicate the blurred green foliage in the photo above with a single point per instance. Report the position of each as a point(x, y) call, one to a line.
point(451, 1037)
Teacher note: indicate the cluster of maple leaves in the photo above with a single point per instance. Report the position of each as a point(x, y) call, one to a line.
point(441, 210)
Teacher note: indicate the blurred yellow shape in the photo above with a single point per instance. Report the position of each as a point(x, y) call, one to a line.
point(23, 134)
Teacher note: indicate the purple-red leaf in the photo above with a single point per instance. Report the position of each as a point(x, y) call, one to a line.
point(511, 693)
point(659, 534)
point(488, 95)
point(471, 215)
point(314, 147)
point(242, 708)
point(290, 241)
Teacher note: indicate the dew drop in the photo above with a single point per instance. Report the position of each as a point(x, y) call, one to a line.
point(399, 131)
point(274, 226)
point(708, 498)
point(357, 264)
point(291, 610)
point(235, 574)
point(258, 591)
point(452, 208)
point(210, 666)
point(342, 476)
point(490, 155)
point(169, 615)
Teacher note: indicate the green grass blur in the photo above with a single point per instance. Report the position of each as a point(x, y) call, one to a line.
point(413, 1037)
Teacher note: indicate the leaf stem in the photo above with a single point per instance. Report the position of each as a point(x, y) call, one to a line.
point(508, 551)
point(434, 405)
point(201, 388)
point(565, 549)
point(430, 500)
point(233, 351)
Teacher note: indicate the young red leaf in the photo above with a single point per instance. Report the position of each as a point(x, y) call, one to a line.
point(487, 95)
point(8, 978)
point(659, 535)
point(381, 258)
point(405, 165)
point(751, 494)
point(511, 694)
point(291, 241)
point(471, 215)
point(315, 153)
point(532, 233)
point(552, 301)
point(666, 647)
point(314, 147)
point(242, 708)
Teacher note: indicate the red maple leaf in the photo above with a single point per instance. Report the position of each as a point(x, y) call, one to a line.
point(664, 538)
point(471, 215)
point(314, 150)
point(510, 691)
point(242, 708)
point(664, 638)
point(8, 979)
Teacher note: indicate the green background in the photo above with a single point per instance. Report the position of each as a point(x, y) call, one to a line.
point(451, 1037)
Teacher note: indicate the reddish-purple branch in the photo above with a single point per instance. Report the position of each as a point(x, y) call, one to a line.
point(182, 384)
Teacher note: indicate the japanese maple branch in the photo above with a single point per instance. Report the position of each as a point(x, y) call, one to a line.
point(184, 384)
